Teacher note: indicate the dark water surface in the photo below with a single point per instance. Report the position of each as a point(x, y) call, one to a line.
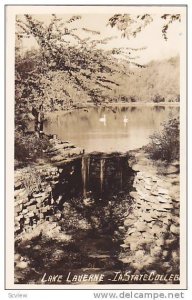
point(109, 129)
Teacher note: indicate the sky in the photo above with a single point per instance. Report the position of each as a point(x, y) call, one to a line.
point(150, 37)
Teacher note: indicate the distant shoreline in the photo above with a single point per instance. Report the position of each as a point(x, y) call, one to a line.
point(142, 104)
point(113, 104)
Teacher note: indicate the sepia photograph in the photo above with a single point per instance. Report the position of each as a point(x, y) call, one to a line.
point(98, 96)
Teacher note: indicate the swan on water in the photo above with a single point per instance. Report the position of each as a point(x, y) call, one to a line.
point(103, 119)
point(125, 120)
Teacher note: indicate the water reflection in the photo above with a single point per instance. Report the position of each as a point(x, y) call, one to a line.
point(109, 129)
point(95, 176)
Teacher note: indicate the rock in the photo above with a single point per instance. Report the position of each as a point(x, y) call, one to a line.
point(27, 221)
point(167, 206)
point(131, 240)
point(140, 226)
point(131, 230)
point(160, 242)
point(170, 242)
point(148, 181)
point(166, 265)
point(30, 214)
point(176, 220)
point(163, 191)
point(25, 211)
point(154, 193)
point(38, 195)
point(175, 229)
point(17, 228)
point(175, 199)
point(133, 246)
point(156, 251)
point(18, 208)
point(144, 262)
point(134, 195)
point(148, 217)
point(22, 265)
point(17, 257)
point(17, 184)
point(136, 167)
point(162, 199)
point(174, 181)
point(140, 253)
point(126, 260)
point(175, 163)
point(17, 219)
point(175, 256)
point(140, 175)
point(154, 179)
point(124, 246)
point(171, 169)
point(166, 221)
point(19, 192)
point(156, 230)
point(145, 241)
point(165, 253)
point(160, 208)
point(148, 187)
point(175, 189)
point(142, 193)
point(129, 221)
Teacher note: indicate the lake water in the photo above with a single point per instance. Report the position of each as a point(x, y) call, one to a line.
point(109, 129)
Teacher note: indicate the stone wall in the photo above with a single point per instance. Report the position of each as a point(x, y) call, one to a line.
point(33, 199)
point(33, 196)
point(151, 230)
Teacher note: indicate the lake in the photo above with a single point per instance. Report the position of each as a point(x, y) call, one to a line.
point(109, 129)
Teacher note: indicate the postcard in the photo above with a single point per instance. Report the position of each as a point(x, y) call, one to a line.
point(96, 109)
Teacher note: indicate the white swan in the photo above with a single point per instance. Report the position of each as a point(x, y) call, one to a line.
point(125, 120)
point(103, 119)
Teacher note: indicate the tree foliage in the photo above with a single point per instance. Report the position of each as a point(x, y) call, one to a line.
point(64, 56)
point(131, 25)
point(165, 144)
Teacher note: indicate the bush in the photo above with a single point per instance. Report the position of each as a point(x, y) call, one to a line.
point(29, 147)
point(165, 144)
